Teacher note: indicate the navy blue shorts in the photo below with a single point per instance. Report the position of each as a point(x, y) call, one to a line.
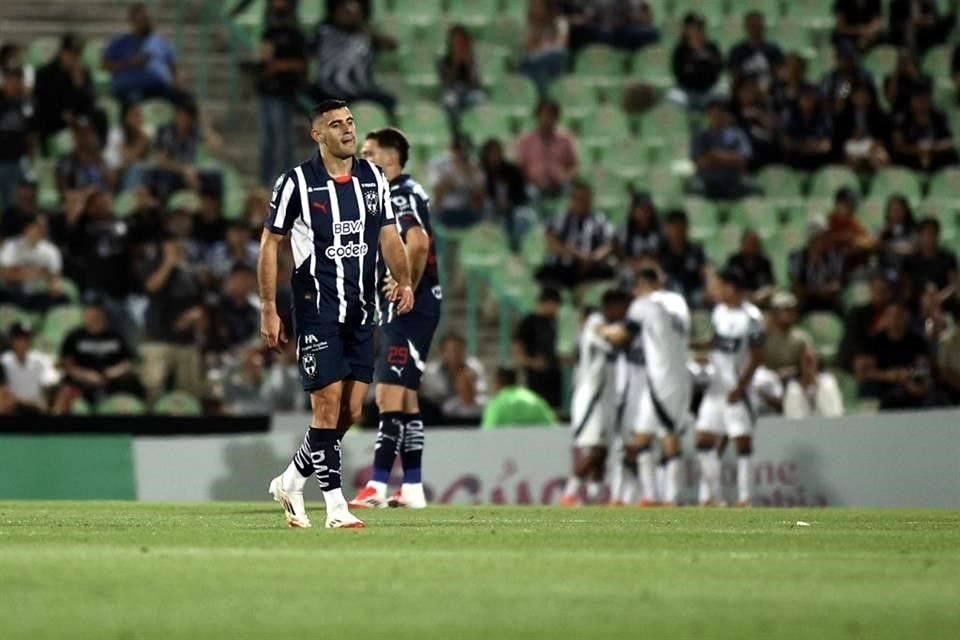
point(330, 352)
point(404, 346)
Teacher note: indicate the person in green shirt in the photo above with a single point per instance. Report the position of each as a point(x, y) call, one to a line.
point(515, 405)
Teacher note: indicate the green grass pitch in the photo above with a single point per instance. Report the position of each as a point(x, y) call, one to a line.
point(231, 570)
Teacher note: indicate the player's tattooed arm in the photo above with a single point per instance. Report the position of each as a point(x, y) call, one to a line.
point(271, 328)
point(396, 258)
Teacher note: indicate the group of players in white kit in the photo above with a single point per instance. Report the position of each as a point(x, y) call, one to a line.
point(634, 388)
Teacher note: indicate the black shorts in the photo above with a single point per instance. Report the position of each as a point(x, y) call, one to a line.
point(330, 352)
point(404, 347)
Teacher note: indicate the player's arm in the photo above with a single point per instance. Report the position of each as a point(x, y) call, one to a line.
point(756, 359)
point(396, 258)
point(270, 326)
point(617, 334)
point(418, 250)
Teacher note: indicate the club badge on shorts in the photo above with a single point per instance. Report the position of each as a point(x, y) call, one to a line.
point(309, 363)
point(372, 200)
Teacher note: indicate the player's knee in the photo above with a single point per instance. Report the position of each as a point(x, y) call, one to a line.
point(705, 441)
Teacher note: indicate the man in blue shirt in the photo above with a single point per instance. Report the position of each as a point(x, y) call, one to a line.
point(337, 211)
point(722, 153)
point(142, 63)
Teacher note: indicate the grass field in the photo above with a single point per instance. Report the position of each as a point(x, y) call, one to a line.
point(229, 570)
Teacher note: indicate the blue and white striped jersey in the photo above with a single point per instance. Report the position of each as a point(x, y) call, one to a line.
point(334, 227)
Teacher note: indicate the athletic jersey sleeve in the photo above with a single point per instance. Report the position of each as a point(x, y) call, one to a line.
point(408, 208)
point(386, 203)
point(636, 315)
point(284, 204)
point(755, 334)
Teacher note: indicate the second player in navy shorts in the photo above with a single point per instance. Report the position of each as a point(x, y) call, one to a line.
point(330, 352)
point(404, 347)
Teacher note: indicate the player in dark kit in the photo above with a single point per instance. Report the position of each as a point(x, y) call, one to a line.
point(404, 339)
point(337, 211)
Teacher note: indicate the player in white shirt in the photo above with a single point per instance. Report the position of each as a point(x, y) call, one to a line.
point(727, 410)
point(594, 403)
point(631, 385)
point(662, 318)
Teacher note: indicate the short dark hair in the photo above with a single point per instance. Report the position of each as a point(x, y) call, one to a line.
point(615, 296)
point(550, 294)
point(453, 336)
point(753, 13)
point(327, 105)
point(547, 103)
point(392, 138)
point(650, 275)
point(675, 216)
point(506, 377)
point(929, 222)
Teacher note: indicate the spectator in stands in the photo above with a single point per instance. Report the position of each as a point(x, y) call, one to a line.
point(898, 238)
point(15, 133)
point(757, 270)
point(858, 23)
point(682, 260)
point(921, 137)
point(282, 382)
point(641, 235)
point(899, 83)
point(548, 154)
point(579, 243)
point(128, 147)
point(755, 57)
point(948, 356)
point(535, 347)
point(624, 24)
point(234, 314)
point(65, 91)
point(515, 406)
point(142, 62)
point(845, 232)
point(96, 360)
point(721, 153)
point(545, 55)
point(244, 386)
point(861, 131)
point(254, 205)
point(955, 72)
point(918, 24)
point(894, 367)
point(506, 199)
point(697, 64)
point(807, 132)
point(280, 73)
point(12, 57)
point(177, 144)
point(932, 264)
point(209, 224)
point(753, 113)
point(29, 374)
point(864, 321)
point(847, 72)
point(785, 343)
point(814, 393)
point(31, 265)
point(175, 318)
point(788, 82)
point(237, 248)
point(459, 74)
point(456, 383)
point(818, 272)
point(458, 184)
point(25, 205)
point(344, 51)
point(84, 167)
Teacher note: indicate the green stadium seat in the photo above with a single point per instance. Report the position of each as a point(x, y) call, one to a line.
point(568, 329)
point(757, 213)
point(492, 62)
point(177, 403)
point(9, 314)
point(872, 212)
point(937, 63)
point(881, 60)
point(474, 13)
point(58, 322)
point(625, 158)
point(814, 13)
point(311, 12)
point(728, 32)
point(156, 112)
point(483, 248)
point(121, 404)
point(607, 125)
point(814, 208)
point(794, 35)
point(945, 183)
point(92, 55)
point(778, 181)
point(828, 180)
point(369, 116)
point(80, 407)
point(826, 329)
point(897, 180)
point(769, 8)
point(534, 246)
point(791, 237)
point(713, 10)
point(505, 31)
point(250, 22)
point(856, 294)
point(609, 191)
point(665, 185)
point(665, 133)
point(421, 12)
point(61, 143)
point(515, 282)
point(487, 121)
point(601, 65)
point(517, 92)
point(425, 123)
point(651, 65)
point(724, 242)
point(703, 217)
point(419, 68)
point(577, 95)
point(41, 51)
point(124, 204)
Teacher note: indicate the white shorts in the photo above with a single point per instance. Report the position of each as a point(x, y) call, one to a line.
point(630, 397)
point(662, 416)
point(593, 417)
point(719, 417)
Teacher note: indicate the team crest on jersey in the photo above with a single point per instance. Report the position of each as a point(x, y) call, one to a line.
point(370, 197)
point(309, 363)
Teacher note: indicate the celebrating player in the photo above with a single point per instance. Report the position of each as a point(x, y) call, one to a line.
point(338, 213)
point(594, 403)
point(736, 352)
point(662, 319)
point(404, 339)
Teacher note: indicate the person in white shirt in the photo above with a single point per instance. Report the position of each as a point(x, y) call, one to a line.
point(727, 410)
point(30, 374)
point(814, 393)
point(662, 318)
point(30, 265)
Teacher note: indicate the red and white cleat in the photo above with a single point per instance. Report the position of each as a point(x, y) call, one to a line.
point(368, 498)
point(743, 504)
point(569, 501)
point(648, 503)
point(343, 519)
point(410, 496)
point(292, 502)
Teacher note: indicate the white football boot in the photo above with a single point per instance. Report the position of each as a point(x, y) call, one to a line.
point(292, 503)
point(410, 496)
point(341, 518)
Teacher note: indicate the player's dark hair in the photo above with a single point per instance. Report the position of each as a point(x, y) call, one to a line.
point(676, 216)
point(372, 135)
point(615, 296)
point(547, 103)
point(550, 294)
point(391, 138)
point(506, 377)
point(328, 105)
point(452, 336)
point(649, 275)
point(929, 222)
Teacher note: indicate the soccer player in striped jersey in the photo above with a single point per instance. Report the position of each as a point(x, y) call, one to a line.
point(404, 339)
point(337, 211)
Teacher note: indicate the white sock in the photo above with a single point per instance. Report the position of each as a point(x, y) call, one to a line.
point(671, 480)
point(334, 500)
point(709, 476)
point(743, 479)
point(379, 487)
point(593, 490)
point(648, 488)
point(616, 482)
point(573, 487)
point(660, 473)
point(292, 481)
point(628, 487)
